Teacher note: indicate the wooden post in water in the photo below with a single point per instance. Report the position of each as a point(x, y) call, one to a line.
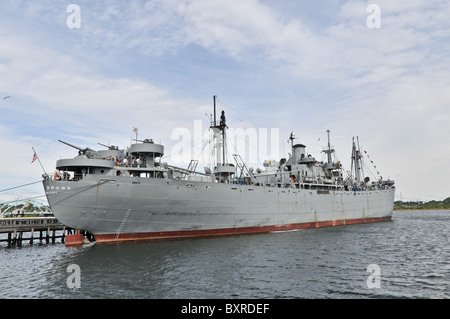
point(32, 236)
point(47, 236)
point(19, 239)
point(63, 235)
point(9, 239)
point(14, 237)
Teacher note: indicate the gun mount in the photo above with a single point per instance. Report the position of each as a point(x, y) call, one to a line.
point(110, 147)
point(81, 151)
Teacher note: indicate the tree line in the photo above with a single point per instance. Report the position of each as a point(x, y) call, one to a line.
point(433, 204)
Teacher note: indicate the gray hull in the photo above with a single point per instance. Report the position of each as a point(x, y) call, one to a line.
point(127, 208)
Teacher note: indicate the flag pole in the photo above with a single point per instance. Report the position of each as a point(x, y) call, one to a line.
point(37, 157)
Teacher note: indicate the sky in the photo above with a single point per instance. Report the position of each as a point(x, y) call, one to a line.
point(87, 72)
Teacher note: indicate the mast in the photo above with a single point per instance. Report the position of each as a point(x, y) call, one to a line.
point(329, 151)
point(222, 167)
point(361, 172)
point(214, 97)
point(223, 125)
point(216, 132)
point(219, 135)
point(356, 161)
point(292, 138)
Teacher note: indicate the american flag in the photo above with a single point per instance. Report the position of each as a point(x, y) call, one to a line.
point(34, 158)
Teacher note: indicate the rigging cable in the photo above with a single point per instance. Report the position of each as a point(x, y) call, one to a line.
point(8, 189)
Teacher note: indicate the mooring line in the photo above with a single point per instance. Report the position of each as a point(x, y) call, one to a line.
point(8, 189)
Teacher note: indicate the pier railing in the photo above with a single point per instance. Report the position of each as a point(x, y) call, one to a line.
point(15, 231)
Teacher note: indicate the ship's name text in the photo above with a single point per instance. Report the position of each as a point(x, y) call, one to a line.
point(55, 189)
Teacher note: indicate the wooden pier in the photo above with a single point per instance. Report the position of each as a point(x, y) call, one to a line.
point(29, 229)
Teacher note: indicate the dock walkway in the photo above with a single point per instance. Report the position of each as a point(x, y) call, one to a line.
point(23, 229)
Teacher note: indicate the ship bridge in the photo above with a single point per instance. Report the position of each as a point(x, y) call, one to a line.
point(142, 159)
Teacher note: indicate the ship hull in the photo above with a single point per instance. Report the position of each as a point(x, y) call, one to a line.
point(127, 209)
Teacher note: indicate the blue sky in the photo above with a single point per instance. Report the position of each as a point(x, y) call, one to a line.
point(302, 66)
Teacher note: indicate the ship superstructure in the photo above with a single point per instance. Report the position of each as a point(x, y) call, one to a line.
point(132, 194)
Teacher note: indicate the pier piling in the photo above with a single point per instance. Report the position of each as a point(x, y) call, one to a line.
point(16, 227)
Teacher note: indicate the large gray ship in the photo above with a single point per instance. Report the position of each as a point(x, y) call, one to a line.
point(122, 195)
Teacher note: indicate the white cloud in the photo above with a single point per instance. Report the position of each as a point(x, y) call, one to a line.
point(75, 91)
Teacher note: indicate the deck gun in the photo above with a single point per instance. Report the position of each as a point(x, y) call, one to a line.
point(111, 148)
point(82, 151)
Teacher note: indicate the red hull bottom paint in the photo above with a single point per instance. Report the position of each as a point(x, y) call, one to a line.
point(74, 240)
point(232, 231)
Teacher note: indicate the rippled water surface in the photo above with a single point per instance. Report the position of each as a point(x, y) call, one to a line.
point(412, 254)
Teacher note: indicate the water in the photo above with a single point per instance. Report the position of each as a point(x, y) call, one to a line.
point(412, 253)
